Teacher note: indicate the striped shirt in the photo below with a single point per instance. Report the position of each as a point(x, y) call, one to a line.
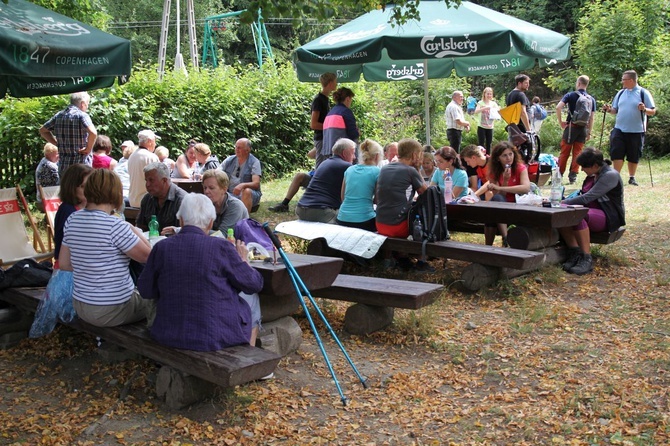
point(98, 244)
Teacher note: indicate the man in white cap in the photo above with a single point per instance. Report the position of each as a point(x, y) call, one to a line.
point(143, 156)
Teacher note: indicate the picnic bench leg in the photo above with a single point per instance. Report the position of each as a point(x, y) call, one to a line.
point(282, 336)
point(531, 238)
point(362, 319)
point(180, 389)
point(14, 326)
point(476, 276)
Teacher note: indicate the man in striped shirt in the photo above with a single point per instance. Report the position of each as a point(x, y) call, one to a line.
point(73, 132)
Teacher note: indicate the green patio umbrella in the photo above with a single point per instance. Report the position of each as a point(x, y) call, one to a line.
point(471, 39)
point(44, 53)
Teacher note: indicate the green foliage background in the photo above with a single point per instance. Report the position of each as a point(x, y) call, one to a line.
point(217, 107)
point(272, 107)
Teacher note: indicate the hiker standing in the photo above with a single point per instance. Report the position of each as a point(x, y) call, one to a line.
point(456, 122)
point(631, 105)
point(577, 126)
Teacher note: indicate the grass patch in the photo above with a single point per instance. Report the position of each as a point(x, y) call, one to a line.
point(613, 255)
point(421, 323)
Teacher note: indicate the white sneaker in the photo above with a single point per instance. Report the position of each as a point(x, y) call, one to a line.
point(266, 377)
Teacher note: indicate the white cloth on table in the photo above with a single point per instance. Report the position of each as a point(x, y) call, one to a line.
point(355, 241)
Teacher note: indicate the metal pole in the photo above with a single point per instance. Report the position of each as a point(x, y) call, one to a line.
point(426, 99)
point(602, 131)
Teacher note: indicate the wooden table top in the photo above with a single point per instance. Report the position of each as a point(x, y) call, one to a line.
point(188, 185)
point(315, 271)
point(517, 214)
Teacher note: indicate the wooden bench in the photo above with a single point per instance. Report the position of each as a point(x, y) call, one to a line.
point(470, 252)
point(606, 238)
point(382, 292)
point(376, 298)
point(229, 367)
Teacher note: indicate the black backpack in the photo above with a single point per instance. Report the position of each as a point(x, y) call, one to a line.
point(432, 212)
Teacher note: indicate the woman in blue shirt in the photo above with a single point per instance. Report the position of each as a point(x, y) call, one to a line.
point(358, 189)
point(447, 160)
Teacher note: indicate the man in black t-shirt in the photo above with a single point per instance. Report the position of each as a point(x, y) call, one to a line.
point(319, 110)
point(522, 82)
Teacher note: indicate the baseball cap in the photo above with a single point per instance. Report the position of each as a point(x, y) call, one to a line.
point(147, 134)
point(127, 143)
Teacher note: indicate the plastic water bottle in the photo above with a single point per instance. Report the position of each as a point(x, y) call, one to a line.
point(153, 228)
point(556, 194)
point(197, 175)
point(448, 187)
point(417, 230)
point(231, 235)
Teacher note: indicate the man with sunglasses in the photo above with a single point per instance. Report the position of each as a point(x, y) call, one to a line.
point(244, 172)
point(631, 105)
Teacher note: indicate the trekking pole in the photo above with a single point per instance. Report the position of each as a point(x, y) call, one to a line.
point(602, 131)
point(650, 176)
point(301, 288)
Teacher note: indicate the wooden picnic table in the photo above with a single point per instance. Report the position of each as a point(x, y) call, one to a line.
point(534, 227)
point(517, 214)
point(189, 185)
point(315, 271)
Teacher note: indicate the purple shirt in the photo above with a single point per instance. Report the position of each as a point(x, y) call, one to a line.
point(196, 279)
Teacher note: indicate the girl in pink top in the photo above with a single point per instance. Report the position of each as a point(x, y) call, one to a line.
point(101, 150)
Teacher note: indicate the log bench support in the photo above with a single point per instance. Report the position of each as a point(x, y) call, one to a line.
point(182, 384)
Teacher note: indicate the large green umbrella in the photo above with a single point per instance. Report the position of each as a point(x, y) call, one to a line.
point(471, 39)
point(44, 53)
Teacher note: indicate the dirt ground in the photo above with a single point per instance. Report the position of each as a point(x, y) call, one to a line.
point(544, 359)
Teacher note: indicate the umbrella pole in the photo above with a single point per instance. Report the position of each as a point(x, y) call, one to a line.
point(426, 99)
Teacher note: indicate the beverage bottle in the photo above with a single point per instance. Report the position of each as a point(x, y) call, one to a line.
point(448, 187)
point(231, 235)
point(417, 230)
point(197, 175)
point(556, 194)
point(153, 228)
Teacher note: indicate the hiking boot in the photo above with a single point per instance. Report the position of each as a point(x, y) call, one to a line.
point(632, 181)
point(572, 177)
point(424, 267)
point(574, 255)
point(583, 266)
point(281, 207)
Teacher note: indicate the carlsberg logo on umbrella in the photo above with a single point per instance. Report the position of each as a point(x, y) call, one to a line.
point(338, 37)
point(412, 72)
point(53, 27)
point(440, 47)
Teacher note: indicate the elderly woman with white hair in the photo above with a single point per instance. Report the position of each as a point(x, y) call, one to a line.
point(196, 282)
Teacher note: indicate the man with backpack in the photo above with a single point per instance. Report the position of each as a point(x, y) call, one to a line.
point(577, 126)
point(522, 83)
point(631, 105)
point(537, 114)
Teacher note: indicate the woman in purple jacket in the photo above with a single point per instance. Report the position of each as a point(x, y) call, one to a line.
point(195, 280)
